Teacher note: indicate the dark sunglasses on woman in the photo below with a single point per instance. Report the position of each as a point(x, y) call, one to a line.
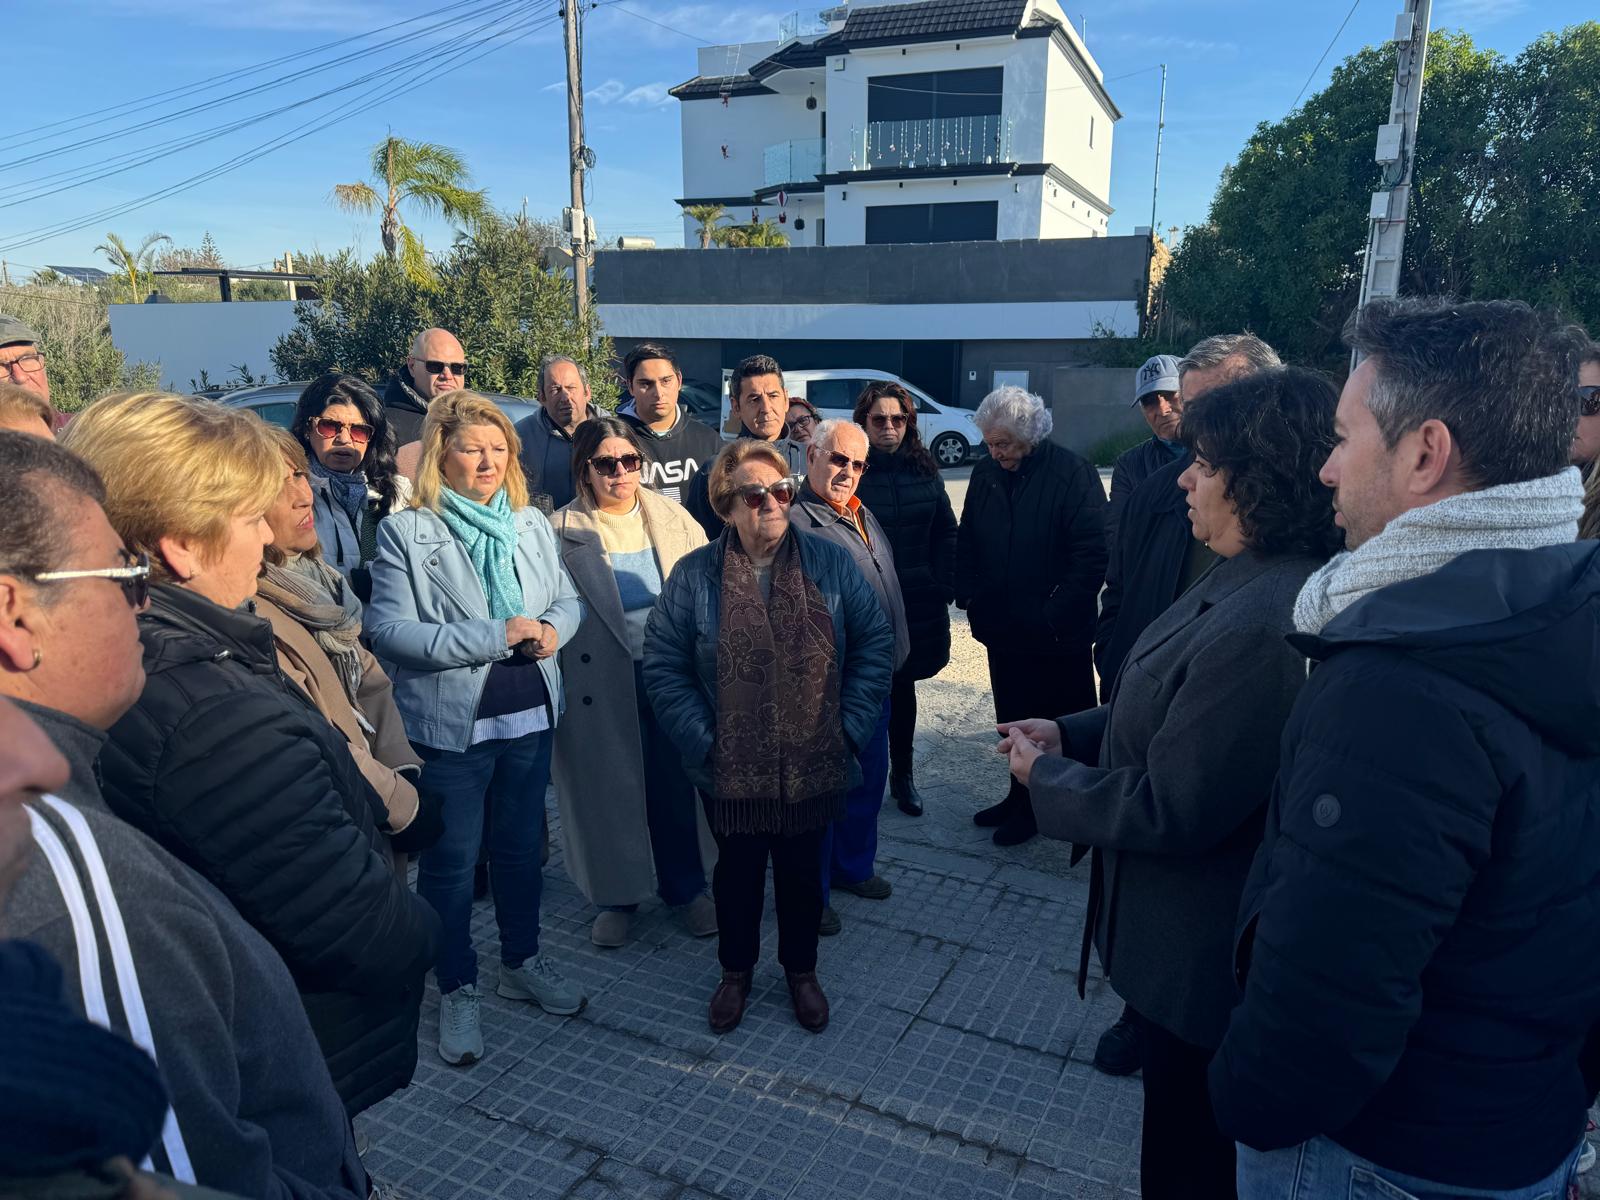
point(360, 433)
point(884, 420)
point(133, 578)
point(755, 495)
point(607, 464)
point(1589, 399)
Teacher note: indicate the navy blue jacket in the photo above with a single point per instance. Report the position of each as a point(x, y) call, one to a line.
point(1418, 931)
point(680, 649)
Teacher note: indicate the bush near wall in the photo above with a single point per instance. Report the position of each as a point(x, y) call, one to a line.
point(75, 335)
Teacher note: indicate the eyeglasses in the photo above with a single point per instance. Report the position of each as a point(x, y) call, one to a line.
point(1589, 399)
point(884, 420)
point(360, 433)
point(844, 460)
point(435, 366)
point(134, 579)
point(28, 364)
point(755, 495)
point(607, 464)
point(803, 419)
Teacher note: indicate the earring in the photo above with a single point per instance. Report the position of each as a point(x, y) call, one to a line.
point(37, 659)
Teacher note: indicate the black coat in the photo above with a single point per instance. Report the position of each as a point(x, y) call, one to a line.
point(1031, 553)
point(697, 495)
point(1131, 469)
point(1145, 574)
point(229, 766)
point(403, 408)
point(1417, 935)
point(914, 510)
point(672, 458)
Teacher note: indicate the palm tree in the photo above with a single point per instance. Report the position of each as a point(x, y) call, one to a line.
point(432, 178)
point(756, 235)
point(135, 264)
point(707, 216)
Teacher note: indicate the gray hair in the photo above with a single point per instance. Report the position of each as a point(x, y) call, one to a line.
point(822, 435)
point(1016, 410)
point(551, 360)
point(1213, 351)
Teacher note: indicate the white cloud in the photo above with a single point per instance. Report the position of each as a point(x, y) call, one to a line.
point(614, 91)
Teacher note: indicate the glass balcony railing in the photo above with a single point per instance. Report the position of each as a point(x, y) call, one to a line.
point(931, 142)
point(804, 23)
point(799, 161)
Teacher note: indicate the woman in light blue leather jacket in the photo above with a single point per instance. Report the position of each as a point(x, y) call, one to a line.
point(469, 604)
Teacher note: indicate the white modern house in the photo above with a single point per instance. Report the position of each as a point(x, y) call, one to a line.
point(932, 121)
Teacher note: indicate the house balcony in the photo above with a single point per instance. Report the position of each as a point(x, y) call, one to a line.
point(797, 161)
point(931, 142)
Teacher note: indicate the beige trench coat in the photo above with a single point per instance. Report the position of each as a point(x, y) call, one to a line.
point(598, 766)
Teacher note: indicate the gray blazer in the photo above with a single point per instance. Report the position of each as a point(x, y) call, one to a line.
point(1185, 756)
point(430, 625)
point(812, 514)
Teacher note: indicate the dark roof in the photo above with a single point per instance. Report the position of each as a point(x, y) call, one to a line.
point(927, 21)
point(793, 56)
point(709, 87)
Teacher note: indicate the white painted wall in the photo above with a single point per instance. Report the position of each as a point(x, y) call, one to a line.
point(1072, 105)
point(747, 125)
point(216, 337)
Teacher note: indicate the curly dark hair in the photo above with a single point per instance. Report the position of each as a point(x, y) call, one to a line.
point(912, 447)
point(1269, 434)
point(332, 388)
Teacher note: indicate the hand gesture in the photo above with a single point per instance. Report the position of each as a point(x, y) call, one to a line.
point(521, 629)
point(1042, 733)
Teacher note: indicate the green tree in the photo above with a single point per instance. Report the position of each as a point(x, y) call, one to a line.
point(490, 289)
point(135, 264)
point(432, 179)
point(708, 217)
point(75, 335)
point(756, 235)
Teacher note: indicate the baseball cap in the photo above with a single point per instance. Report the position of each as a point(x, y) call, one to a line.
point(1159, 374)
point(13, 331)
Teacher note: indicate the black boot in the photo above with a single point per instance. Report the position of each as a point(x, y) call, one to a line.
point(905, 794)
point(1120, 1050)
point(1019, 825)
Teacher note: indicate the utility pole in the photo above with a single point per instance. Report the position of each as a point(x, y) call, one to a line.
point(577, 219)
point(1161, 125)
point(288, 267)
point(1397, 154)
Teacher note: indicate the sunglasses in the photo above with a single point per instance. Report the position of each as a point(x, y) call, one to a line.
point(844, 460)
point(1589, 399)
point(755, 495)
point(435, 366)
point(327, 427)
point(607, 464)
point(133, 579)
point(884, 420)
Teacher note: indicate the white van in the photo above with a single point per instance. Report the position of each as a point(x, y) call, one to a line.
point(948, 432)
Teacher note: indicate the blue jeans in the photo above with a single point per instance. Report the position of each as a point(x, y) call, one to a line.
point(671, 811)
point(513, 774)
point(1322, 1169)
point(850, 849)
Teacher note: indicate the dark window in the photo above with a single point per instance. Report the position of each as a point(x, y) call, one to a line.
point(974, 93)
point(280, 415)
point(835, 395)
point(975, 221)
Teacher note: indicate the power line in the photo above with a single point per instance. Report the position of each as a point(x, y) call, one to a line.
point(354, 107)
point(1325, 53)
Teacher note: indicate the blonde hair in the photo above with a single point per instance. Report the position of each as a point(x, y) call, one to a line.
point(18, 401)
point(448, 415)
point(720, 487)
point(176, 466)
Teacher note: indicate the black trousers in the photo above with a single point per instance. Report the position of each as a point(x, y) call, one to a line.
point(1185, 1156)
point(739, 885)
point(1047, 685)
point(902, 723)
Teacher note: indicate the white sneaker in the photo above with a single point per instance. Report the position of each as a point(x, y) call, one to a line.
point(460, 1035)
point(539, 981)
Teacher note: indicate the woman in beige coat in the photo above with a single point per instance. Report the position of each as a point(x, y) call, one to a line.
point(316, 626)
point(629, 816)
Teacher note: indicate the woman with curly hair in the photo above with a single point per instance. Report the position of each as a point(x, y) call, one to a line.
point(1169, 782)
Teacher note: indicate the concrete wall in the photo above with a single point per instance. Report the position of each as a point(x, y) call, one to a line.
point(1090, 404)
point(747, 125)
point(215, 337)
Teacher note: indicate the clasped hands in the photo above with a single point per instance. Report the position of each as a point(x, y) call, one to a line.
point(536, 639)
point(1023, 742)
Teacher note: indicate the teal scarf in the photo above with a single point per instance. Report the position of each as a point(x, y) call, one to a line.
point(489, 535)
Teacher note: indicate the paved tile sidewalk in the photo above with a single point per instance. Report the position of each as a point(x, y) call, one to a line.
point(956, 1063)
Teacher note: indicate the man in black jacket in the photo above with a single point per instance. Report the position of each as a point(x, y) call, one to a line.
point(673, 442)
point(547, 435)
point(1156, 392)
point(1414, 938)
point(757, 395)
point(1030, 559)
point(436, 364)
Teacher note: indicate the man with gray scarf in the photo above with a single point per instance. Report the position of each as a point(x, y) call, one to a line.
point(1421, 1001)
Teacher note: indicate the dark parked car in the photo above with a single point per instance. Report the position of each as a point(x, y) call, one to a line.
point(274, 402)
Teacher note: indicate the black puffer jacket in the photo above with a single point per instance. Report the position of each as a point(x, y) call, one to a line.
point(914, 510)
point(1417, 935)
point(1031, 552)
point(404, 408)
point(226, 764)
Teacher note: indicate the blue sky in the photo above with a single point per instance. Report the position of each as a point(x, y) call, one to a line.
point(1232, 64)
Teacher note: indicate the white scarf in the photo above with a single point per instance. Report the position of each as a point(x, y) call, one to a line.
point(1512, 516)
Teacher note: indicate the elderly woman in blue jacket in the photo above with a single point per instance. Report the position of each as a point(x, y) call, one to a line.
point(469, 604)
point(767, 659)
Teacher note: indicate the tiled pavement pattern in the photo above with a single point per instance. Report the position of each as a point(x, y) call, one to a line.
point(956, 1063)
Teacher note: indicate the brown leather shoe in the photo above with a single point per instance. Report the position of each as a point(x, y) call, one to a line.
point(727, 1002)
point(810, 1005)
